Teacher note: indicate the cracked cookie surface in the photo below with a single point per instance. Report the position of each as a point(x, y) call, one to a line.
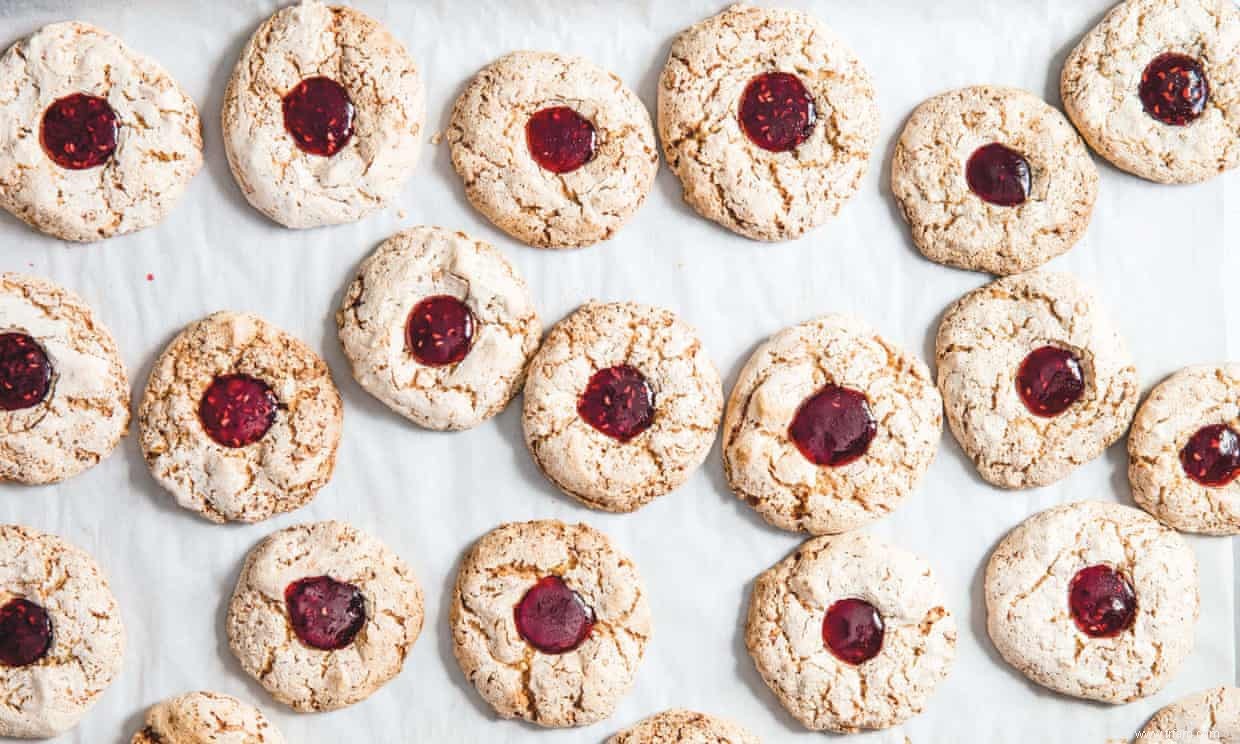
point(206, 718)
point(684, 727)
point(1208, 716)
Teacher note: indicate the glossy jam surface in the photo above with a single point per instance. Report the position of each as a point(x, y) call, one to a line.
point(318, 113)
point(1102, 601)
point(560, 139)
point(25, 633)
point(618, 402)
point(834, 426)
point(440, 331)
point(777, 113)
point(999, 175)
point(1174, 89)
point(79, 131)
point(553, 618)
point(25, 372)
point(326, 614)
point(1212, 455)
point(1049, 381)
point(853, 631)
point(237, 410)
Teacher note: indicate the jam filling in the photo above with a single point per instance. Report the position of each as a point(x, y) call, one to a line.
point(853, 631)
point(553, 618)
point(999, 175)
point(1102, 601)
point(25, 372)
point(1212, 455)
point(1174, 89)
point(618, 402)
point(560, 139)
point(237, 410)
point(777, 113)
point(25, 633)
point(440, 331)
point(1050, 380)
point(834, 426)
point(326, 614)
point(318, 113)
point(79, 131)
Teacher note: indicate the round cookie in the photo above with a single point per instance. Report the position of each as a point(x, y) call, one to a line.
point(1207, 717)
point(240, 421)
point(768, 119)
point(992, 179)
point(829, 426)
point(206, 718)
point(621, 404)
point(64, 394)
point(323, 116)
point(61, 638)
point(1035, 378)
point(439, 327)
point(554, 150)
point(323, 615)
point(96, 140)
point(684, 727)
point(1117, 83)
point(549, 622)
point(1093, 600)
point(850, 633)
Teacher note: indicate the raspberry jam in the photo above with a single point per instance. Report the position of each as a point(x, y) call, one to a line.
point(618, 402)
point(553, 618)
point(834, 426)
point(326, 614)
point(1102, 601)
point(853, 631)
point(25, 372)
point(1174, 89)
point(79, 131)
point(560, 139)
point(25, 633)
point(440, 331)
point(999, 175)
point(1049, 381)
point(237, 410)
point(318, 113)
point(1212, 455)
point(777, 113)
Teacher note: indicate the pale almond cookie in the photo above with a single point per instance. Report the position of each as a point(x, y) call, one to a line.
point(240, 421)
point(1093, 600)
point(64, 394)
point(1035, 378)
point(554, 150)
point(850, 633)
point(324, 615)
point(61, 638)
point(1208, 717)
point(439, 327)
point(126, 139)
point(684, 727)
point(1144, 55)
point(621, 404)
point(206, 718)
point(829, 426)
point(323, 116)
point(992, 179)
point(549, 622)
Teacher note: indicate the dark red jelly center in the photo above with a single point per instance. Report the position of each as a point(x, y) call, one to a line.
point(853, 631)
point(618, 402)
point(833, 426)
point(25, 372)
point(1049, 380)
point(326, 614)
point(440, 330)
point(999, 175)
point(560, 139)
point(25, 633)
point(319, 115)
point(1212, 455)
point(237, 410)
point(1102, 601)
point(777, 112)
point(553, 618)
point(79, 131)
point(1174, 89)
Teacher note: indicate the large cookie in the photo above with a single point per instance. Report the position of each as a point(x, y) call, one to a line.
point(206, 718)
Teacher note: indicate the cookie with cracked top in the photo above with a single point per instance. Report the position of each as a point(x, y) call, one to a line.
point(684, 727)
point(1208, 716)
point(206, 718)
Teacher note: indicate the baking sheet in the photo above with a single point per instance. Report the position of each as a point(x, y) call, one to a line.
point(1158, 255)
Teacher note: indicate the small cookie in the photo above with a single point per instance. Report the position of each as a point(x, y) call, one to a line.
point(684, 727)
point(1209, 717)
point(323, 615)
point(1155, 88)
point(768, 119)
point(96, 140)
point(621, 404)
point(549, 622)
point(439, 327)
point(554, 150)
point(1035, 378)
point(240, 421)
point(61, 638)
point(1093, 600)
point(829, 426)
point(992, 179)
point(850, 633)
point(323, 116)
point(206, 718)
point(64, 394)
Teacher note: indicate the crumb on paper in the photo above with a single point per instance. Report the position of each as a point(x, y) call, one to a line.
point(436, 138)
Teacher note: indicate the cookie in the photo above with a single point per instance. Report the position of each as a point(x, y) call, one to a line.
point(61, 638)
point(240, 421)
point(323, 615)
point(850, 633)
point(439, 327)
point(1207, 717)
point(64, 394)
point(206, 718)
point(684, 727)
point(323, 116)
point(621, 404)
point(96, 140)
point(992, 179)
point(1155, 88)
point(829, 426)
point(549, 622)
point(554, 150)
point(768, 119)
point(1035, 378)
point(1093, 600)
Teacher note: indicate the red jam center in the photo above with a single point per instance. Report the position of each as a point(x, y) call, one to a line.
point(25, 372)
point(326, 614)
point(79, 131)
point(618, 402)
point(853, 631)
point(319, 115)
point(560, 139)
point(440, 331)
point(999, 175)
point(834, 426)
point(25, 633)
point(777, 112)
point(1174, 89)
point(1212, 455)
point(553, 618)
point(237, 410)
point(1102, 601)
point(1050, 380)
